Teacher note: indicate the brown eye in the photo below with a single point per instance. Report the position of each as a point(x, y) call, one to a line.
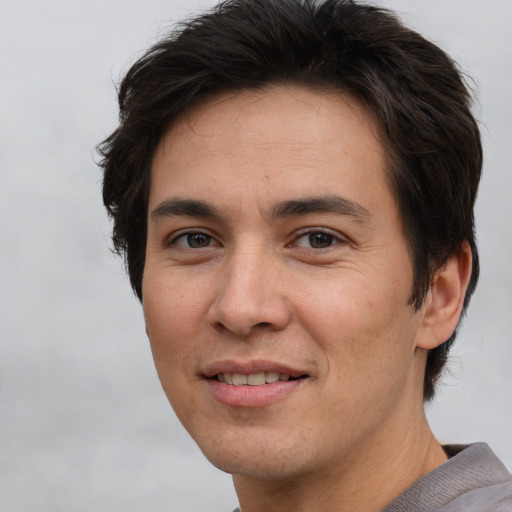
point(198, 240)
point(320, 240)
point(317, 240)
point(194, 240)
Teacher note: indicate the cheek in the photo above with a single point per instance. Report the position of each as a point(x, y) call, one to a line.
point(364, 330)
point(173, 313)
point(170, 304)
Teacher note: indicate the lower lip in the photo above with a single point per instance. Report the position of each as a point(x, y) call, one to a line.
point(252, 396)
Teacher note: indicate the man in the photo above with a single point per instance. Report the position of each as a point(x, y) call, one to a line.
point(292, 184)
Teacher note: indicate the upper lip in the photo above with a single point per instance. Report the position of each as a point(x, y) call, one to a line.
point(250, 367)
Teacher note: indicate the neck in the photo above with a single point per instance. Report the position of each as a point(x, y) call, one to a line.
point(368, 478)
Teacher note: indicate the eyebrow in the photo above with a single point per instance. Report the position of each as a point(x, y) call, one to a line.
point(325, 204)
point(184, 207)
point(302, 206)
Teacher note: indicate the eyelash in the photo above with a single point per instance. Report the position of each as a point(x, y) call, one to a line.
point(312, 232)
point(331, 239)
point(187, 235)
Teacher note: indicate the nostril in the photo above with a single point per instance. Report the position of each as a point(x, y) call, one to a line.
point(263, 324)
point(242, 310)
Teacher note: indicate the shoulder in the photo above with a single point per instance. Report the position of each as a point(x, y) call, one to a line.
point(472, 480)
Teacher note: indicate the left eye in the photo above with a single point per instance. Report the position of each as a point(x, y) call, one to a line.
point(316, 240)
point(194, 240)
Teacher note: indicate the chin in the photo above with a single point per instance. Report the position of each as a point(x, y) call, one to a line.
point(261, 456)
point(269, 468)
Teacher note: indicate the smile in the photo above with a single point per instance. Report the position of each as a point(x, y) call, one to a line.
point(252, 384)
point(254, 379)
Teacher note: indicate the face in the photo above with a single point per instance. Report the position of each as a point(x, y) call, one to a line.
point(277, 282)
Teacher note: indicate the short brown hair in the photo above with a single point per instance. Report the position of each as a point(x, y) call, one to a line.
point(413, 89)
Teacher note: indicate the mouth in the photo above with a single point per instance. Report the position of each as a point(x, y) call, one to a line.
point(254, 383)
point(245, 388)
point(254, 379)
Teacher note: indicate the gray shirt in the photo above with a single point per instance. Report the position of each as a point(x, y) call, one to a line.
point(472, 480)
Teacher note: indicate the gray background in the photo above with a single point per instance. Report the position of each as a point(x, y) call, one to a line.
point(83, 422)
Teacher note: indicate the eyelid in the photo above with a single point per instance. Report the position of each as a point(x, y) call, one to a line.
point(171, 239)
point(338, 237)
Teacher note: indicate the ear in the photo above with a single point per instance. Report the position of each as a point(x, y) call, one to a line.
point(443, 305)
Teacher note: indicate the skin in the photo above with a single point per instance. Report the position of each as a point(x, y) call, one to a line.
point(245, 280)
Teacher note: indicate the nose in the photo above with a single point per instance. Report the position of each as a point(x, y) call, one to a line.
point(250, 296)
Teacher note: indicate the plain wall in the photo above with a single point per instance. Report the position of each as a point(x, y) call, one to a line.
point(84, 424)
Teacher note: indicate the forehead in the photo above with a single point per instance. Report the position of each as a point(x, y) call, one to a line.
point(281, 140)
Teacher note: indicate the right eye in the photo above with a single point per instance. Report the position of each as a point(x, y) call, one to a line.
point(195, 240)
point(316, 240)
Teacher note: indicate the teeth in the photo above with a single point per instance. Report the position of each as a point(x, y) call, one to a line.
point(239, 379)
point(255, 379)
point(271, 377)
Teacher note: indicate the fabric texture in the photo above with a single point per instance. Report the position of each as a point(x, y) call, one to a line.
point(472, 480)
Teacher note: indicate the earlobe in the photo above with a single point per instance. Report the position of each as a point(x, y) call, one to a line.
point(443, 305)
